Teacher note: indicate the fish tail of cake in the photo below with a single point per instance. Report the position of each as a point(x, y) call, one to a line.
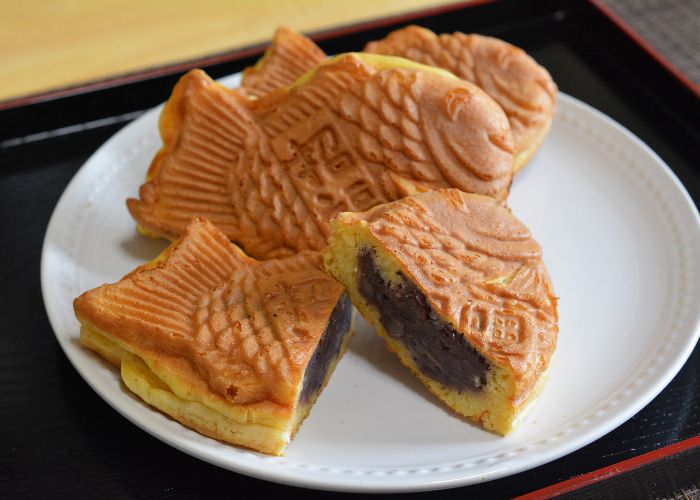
point(290, 55)
point(203, 127)
point(162, 295)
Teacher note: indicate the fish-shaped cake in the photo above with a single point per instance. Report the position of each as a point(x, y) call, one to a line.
point(524, 89)
point(357, 131)
point(457, 287)
point(289, 56)
point(231, 347)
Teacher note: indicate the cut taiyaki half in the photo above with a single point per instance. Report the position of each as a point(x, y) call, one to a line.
point(234, 348)
point(357, 131)
point(524, 89)
point(457, 287)
point(289, 56)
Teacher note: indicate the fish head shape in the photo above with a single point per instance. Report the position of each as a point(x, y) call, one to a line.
point(427, 127)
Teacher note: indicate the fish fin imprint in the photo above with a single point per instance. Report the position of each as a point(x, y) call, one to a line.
point(290, 55)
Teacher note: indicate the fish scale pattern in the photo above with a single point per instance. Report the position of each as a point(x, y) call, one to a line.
point(478, 266)
point(523, 88)
point(158, 299)
point(386, 112)
point(350, 138)
point(247, 328)
point(261, 326)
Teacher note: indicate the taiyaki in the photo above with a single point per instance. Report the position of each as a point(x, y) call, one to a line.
point(357, 131)
point(231, 347)
point(456, 286)
point(524, 89)
point(289, 56)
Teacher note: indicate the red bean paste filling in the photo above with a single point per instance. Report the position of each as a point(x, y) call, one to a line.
point(439, 351)
point(327, 350)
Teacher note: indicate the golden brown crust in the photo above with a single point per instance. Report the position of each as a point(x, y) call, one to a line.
point(479, 268)
point(523, 88)
point(272, 172)
point(221, 325)
point(289, 56)
point(187, 178)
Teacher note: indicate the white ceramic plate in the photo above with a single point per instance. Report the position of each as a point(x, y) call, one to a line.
point(621, 239)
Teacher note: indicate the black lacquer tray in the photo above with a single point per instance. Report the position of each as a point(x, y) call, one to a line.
point(60, 439)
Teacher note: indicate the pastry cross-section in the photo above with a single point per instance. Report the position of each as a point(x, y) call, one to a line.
point(234, 348)
point(356, 131)
point(524, 89)
point(457, 287)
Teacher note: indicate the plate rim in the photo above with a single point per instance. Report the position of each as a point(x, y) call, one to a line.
point(420, 481)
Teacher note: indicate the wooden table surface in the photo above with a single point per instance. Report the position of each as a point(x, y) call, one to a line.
point(46, 45)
